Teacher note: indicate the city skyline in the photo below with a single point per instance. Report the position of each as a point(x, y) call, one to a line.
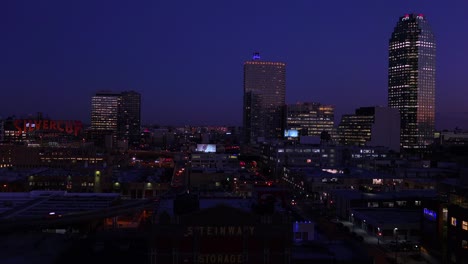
point(185, 59)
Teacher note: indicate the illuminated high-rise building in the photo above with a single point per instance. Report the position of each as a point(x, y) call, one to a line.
point(129, 120)
point(310, 119)
point(371, 126)
point(411, 81)
point(264, 99)
point(104, 111)
point(117, 114)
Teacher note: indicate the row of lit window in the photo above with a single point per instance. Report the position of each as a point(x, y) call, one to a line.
point(265, 63)
point(58, 184)
point(453, 222)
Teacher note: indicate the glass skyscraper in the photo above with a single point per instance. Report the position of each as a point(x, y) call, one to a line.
point(264, 99)
point(411, 81)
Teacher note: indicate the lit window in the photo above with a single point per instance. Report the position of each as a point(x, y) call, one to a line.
point(453, 221)
point(464, 244)
point(464, 225)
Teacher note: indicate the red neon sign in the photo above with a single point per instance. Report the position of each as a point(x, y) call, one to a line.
point(69, 127)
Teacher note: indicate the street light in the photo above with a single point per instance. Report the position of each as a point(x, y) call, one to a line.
point(379, 234)
point(396, 243)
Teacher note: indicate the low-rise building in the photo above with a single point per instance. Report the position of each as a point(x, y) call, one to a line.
point(346, 200)
point(221, 230)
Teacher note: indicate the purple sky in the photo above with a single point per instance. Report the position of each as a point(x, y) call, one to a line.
point(185, 57)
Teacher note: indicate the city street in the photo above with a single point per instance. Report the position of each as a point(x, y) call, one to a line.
point(332, 229)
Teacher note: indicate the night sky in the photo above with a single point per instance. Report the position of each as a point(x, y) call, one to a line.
point(186, 57)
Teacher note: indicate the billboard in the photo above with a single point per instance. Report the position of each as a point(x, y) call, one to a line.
point(206, 148)
point(291, 133)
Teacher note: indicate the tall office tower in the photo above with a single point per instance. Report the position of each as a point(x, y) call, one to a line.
point(129, 122)
point(371, 126)
point(2, 129)
point(411, 81)
point(116, 114)
point(310, 119)
point(105, 111)
point(264, 99)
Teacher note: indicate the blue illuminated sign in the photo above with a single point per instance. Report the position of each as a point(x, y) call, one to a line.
point(256, 56)
point(429, 214)
point(291, 133)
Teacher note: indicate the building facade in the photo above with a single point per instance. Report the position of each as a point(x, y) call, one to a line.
point(371, 126)
point(457, 233)
point(457, 137)
point(40, 131)
point(130, 118)
point(264, 99)
point(222, 234)
point(310, 119)
point(2, 129)
point(118, 115)
point(104, 111)
point(411, 81)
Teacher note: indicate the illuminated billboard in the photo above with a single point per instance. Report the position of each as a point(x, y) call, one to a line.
point(291, 133)
point(206, 147)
